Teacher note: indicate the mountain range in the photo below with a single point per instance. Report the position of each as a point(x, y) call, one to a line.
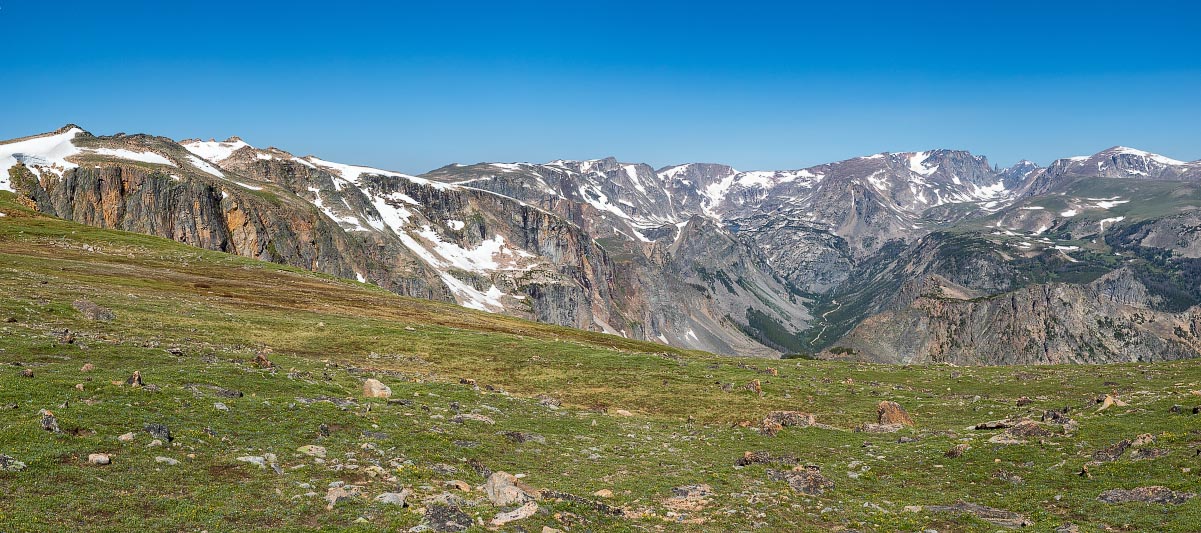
point(934, 256)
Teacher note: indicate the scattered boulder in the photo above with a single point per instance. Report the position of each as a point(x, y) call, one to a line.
point(1153, 494)
point(689, 498)
point(9, 464)
point(991, 515)
point(336, 495)
point(463, 417)
point(92, 311)
point(126, 437)
point(519, 437)
point(166, 460)
point(755, 387)
point(394, 498)
point(446, 518)
point(1148, 453)
point(958, 450)
point(753, 458)
point(547, 401)
point(1112, 452)
point(312, 450)
point(49, 422)
point(770, 428)
point(997, 424)
point(1109, 401)
point(99, 459)
point(257, 460)
point(692, 491)
point(805, 479)
point(1020, 431)
point(159, 431)
point(220, 406)
point(879, 428)
point(1008, 477)
point(891, 413)
point(792, 418)
point(374, 388)
point(503, 489)
point(525, 511)
point(603, 493)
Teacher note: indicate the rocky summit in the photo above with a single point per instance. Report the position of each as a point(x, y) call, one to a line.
point(934, 256)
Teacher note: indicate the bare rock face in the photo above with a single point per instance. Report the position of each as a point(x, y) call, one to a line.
point(891, 413)
point(373, 388)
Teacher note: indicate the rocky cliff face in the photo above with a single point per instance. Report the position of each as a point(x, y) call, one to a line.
point(1108, 320)
point(914, 256)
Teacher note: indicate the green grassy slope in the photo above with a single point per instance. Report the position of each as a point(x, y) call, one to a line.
point(188, 318)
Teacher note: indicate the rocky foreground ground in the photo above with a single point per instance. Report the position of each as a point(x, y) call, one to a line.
point(151, 386)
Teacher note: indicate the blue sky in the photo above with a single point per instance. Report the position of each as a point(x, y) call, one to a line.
point(756, 85)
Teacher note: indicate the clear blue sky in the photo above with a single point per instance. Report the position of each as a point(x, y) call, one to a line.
point(755, 85)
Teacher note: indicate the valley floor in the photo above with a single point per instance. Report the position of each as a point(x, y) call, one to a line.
point(605, 434)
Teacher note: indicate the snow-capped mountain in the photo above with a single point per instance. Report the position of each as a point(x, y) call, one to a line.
point(695, 255)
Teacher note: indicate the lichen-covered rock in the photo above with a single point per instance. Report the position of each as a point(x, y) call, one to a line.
point(504, 489)
point(891, 413)
point(374, 388)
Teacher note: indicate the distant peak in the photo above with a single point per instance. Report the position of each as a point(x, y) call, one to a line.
point(1126, 150)
point(68, 128)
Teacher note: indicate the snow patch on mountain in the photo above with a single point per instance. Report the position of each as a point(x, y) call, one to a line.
point(917, 164)
point(215, 151)
point(205, 166)
point(46, 153)
point(121, 153)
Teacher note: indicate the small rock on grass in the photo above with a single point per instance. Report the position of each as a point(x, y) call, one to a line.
point(166, 460)
point(99, 458)
point(336, 495)
point(447, 518)
point(374, 388)
point(254, 460)
point(890, 413)
point(312, 450)
point(49, 422)
point(159, 431)
point(9, 464)
point(503, 488)
point(394, 498)
point(91, 311)
point(525, 511)
point(958, 450)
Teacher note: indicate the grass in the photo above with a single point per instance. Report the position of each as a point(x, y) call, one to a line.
point(325, 336)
